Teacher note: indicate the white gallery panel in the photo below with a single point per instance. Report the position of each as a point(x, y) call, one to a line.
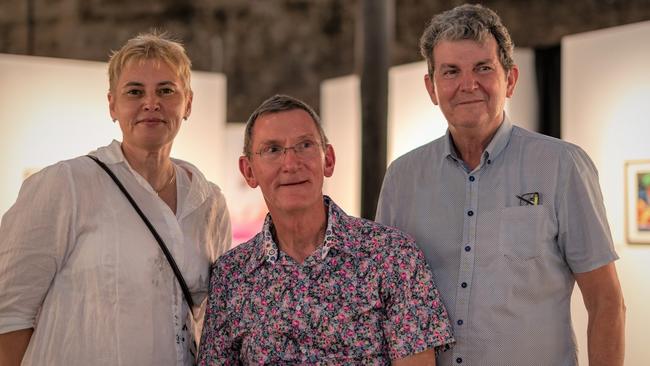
point(340, 107)
point(606, 105)
point(246, 205)
point(413, 120)
point(55, 109)
point(523, 106)
point(606, 111)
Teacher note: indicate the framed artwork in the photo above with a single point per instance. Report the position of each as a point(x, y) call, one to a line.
point(637, 201)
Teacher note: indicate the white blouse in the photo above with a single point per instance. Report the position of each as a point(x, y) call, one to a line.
point(79, 266)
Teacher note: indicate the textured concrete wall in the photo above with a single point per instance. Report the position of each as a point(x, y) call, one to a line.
point(274, 46)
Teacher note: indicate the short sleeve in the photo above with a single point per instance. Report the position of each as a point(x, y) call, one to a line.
point(385, 214)
point(416, 319)
point(218, 345)
point(34, 235)
point(584, 236)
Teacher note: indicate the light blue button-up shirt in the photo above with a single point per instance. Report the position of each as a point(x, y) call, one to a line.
point(503, 240)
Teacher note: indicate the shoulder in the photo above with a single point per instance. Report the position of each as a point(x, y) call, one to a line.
point(373, 237)
point(419, 156)
point(207, 187)
point(237, 259)
point(571, 156)
point(63, 172)
point(537, 140)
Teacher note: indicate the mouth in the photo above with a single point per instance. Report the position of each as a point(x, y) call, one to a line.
point(469, 102)
point(151, 120)
point(293, 183)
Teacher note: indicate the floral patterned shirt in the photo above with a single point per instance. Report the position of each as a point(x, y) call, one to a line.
point(365, 296)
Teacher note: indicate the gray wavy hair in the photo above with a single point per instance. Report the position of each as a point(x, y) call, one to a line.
point(467, 22)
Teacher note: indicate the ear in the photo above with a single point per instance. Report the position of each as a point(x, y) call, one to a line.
point(188, 107)
point(431, 88)
point(330, 160)
point(246, 170)
point(511, 80)
point(111, 104)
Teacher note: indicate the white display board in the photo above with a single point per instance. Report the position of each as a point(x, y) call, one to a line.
point(55, 109)
point(606, 111)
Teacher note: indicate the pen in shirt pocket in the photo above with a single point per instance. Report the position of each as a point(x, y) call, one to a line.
point(530, 199)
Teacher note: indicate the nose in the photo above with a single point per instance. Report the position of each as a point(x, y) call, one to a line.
point(468, 82)
point(151, 103)
point(290, 160)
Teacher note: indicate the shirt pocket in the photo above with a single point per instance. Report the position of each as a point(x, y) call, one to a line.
point(521, 232)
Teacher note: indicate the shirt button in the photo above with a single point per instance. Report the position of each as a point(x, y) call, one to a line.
point(470, 213)
point(459, 322)
point(459, 360)
point(298, 307)
point(468, 248)
point(471, 178)
point(463, 285)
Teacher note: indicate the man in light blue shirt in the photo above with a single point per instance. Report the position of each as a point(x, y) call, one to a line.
point(509, 220)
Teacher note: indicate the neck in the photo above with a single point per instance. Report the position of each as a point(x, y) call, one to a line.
point(153, 165)
point(299, 234)
point(470, 143)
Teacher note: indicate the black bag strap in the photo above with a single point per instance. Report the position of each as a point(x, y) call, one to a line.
point(161, 243)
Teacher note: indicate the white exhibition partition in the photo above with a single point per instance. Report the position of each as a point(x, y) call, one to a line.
point(246, 205)
point(413, 120)
point(522, 107)
point(56, 109)
point(341, 118)
point(606, 111)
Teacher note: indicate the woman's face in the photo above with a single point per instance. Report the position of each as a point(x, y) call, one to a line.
point(149, 101)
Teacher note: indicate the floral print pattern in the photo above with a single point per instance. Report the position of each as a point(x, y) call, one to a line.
point(365, 296)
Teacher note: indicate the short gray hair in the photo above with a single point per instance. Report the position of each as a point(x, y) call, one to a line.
point(275, 104)
point(467, 22)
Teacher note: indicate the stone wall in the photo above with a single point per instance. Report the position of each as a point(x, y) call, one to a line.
point(275, 46)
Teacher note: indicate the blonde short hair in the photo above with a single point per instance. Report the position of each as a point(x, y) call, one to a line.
point(152, 45)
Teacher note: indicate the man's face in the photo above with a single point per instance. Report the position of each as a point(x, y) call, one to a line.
point(470, 85)
point(292, 182)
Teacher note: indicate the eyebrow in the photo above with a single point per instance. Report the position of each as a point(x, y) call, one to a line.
point(455, 66)
point(139, 84)
point(277, 142)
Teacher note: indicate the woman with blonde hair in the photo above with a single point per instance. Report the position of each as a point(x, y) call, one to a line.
point(104, 259)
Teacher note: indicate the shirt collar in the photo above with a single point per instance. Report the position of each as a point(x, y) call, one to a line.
point(111, 154)
point(267, 249)
point(494, 148)
point(500, 139)
point(200, 188)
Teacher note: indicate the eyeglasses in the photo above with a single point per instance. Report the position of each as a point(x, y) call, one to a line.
point(303, 150)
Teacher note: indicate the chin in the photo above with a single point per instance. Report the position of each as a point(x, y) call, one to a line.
point(295, 201)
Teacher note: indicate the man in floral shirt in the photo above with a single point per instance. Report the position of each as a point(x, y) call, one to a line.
point(316, 286)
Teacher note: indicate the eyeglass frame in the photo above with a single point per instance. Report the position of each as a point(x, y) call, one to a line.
point(283, 149)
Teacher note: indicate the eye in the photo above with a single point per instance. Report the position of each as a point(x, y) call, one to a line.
point(484, 68)
point(449, 73)
point(271, 149)
point(166, 91)
point(305, 145)
point(134, 92)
